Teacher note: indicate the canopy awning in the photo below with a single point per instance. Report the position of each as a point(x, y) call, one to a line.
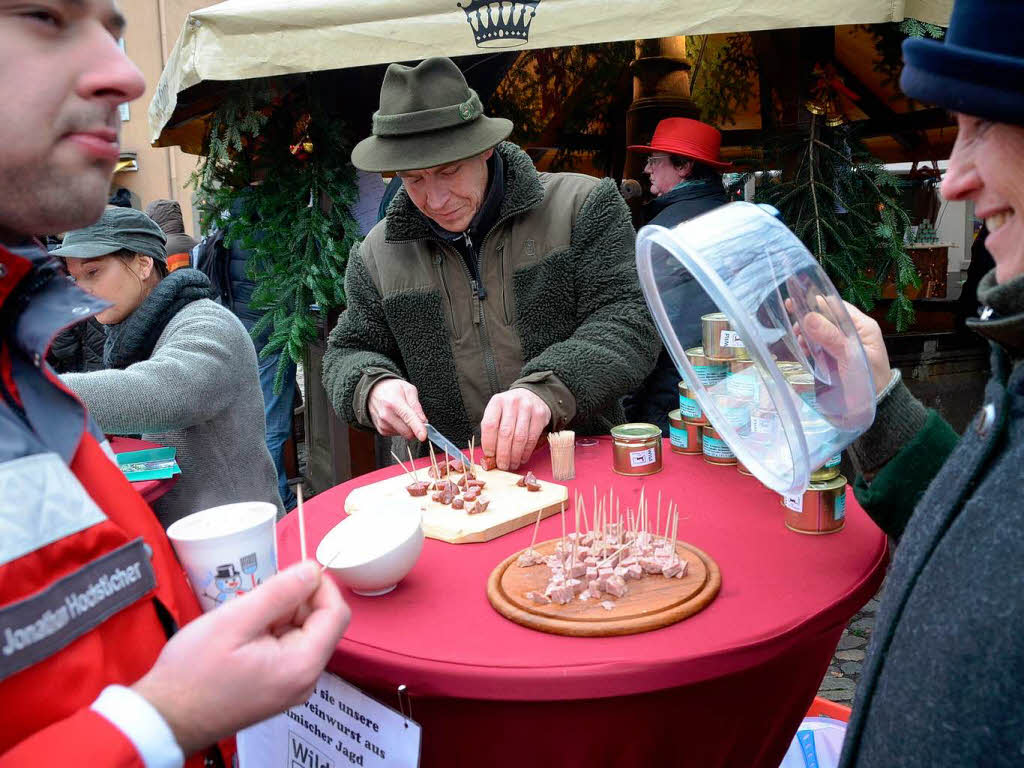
point(241, 39)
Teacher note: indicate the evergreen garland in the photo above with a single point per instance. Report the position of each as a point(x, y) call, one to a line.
point(271, 160)
point(843, 205)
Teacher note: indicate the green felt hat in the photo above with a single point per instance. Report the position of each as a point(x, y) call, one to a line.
point(117, 229)
point(428, 116)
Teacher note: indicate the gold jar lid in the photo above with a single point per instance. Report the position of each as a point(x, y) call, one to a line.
point(636, 432)
point(828, 485)
point(695, 352)
point(714, 316)
point(789, 366)
point(675, 415)
point(801, 379)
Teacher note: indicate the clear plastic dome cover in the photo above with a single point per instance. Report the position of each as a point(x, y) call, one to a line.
point(782, 402)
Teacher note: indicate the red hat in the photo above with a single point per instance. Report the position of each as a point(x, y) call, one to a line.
point(689, 138)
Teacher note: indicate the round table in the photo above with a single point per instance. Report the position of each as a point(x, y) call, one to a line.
point(725, 687)
point(150, 490)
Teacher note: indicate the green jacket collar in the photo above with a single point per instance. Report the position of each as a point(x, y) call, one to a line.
point(1002, 315)
point(523, 191)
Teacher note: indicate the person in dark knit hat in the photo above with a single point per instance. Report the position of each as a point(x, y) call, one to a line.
point(167, 214)
point(942, 682)
point(180, 369)
point(492, 299)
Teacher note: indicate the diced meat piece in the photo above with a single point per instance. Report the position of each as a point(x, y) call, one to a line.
point(651, 565)
point(616, 585)
point(528, 558)
point(488, 463)
point(628, 561)
point(437, 496)
point(577, 570)
point(675, 569)
point(553, 561)
point(608, 605)
point(605, 570)
point(439, 472)
point(474, 483)
point(561, 594)
point(448, 494)
point(418, 488)
point(593, 587)
point(458, 503)
point(576, 584)
point(590, 561)
point(521, 482)
point(538, 597)
point(634, 572)
point(584, 595)
point(591, 572)
point(620, 571)
point(531, 482)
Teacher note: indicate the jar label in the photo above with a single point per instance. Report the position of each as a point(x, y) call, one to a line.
point(839, 510)
point(717, 449)
point(678, 437)
point(742, 385)
point(737, 416)
point(834, 461)
point(711, 374)
point(689, 407)
point(642, 458)
point(795, 503)
point(763, 424)
point(730, 339)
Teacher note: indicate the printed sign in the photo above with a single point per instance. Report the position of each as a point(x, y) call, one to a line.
point(337, 726)
point(796, 503)
point(641, 458)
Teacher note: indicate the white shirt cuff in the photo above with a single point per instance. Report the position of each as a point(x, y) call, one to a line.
point(144, 726)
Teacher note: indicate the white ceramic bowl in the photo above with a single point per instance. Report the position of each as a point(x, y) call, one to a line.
point(371, 551)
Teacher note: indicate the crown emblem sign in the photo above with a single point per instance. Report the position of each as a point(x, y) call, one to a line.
point(500, 23)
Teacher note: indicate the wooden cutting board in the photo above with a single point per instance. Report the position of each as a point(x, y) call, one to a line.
point(652, 602)
point(511, 507)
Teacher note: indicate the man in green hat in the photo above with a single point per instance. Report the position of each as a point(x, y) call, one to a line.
point(492, 299)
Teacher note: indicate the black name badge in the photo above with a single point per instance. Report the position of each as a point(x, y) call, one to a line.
point(37, 627)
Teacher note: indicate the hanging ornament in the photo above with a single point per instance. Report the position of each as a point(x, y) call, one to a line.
point(302, 149)
point(827, 94)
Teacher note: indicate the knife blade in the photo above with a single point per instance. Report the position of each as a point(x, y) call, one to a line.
point(445, 445)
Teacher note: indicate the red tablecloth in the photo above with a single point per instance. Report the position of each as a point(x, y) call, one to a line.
point(150, 490)
point(725, 687)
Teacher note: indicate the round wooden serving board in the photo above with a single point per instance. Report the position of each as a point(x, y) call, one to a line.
point(651, 603)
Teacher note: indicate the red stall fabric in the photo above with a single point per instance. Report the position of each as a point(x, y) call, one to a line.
point(725, 687)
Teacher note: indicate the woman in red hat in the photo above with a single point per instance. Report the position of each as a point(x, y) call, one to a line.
point(686, 178)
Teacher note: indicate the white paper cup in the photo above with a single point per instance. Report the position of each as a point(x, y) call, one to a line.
point(226, 551)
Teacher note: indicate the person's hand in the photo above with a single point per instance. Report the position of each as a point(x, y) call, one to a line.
point(819, 327)
point(248, 659)
point(395, 409)
point(513, 422)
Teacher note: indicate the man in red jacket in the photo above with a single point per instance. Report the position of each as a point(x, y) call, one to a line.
point(93, 667)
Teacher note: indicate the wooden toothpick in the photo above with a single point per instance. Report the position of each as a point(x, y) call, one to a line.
point(302, 523)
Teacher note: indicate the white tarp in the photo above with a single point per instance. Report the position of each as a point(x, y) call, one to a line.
point(240, 39)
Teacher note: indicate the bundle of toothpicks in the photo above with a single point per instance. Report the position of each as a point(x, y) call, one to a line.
point(563, 454)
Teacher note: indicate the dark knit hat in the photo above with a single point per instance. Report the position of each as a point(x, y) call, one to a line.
point(118, 229)
point(428, 116)
point(978, 69)
point(167, 215)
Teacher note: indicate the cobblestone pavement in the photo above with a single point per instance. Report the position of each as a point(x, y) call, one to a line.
point(843, 675)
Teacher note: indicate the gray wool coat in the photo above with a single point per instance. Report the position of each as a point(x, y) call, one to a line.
point(944, 680)
point(199, 392)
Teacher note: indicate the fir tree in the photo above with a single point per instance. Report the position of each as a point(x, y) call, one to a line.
point(272, 162)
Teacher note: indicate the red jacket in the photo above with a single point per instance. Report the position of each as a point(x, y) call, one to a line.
point(90, 589)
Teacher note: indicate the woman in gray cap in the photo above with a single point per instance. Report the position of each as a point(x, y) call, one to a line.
point(942, 682)
point(181, 369)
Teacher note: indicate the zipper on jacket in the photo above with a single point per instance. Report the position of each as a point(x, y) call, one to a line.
point(439, 265)
point(480, 321)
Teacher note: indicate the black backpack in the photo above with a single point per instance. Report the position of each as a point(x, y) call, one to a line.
point(212, 261)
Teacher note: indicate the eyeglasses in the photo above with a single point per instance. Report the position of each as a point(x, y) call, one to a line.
point(651, 161)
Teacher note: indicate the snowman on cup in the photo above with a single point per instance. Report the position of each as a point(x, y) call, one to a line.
point(228, 580)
